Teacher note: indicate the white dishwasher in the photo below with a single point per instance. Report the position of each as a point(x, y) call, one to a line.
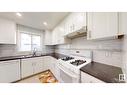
point(9, 71)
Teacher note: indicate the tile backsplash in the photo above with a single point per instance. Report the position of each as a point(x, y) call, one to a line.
point(104, 51)
point(12, 50)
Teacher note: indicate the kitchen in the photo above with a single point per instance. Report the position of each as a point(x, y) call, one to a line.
point(63, 47)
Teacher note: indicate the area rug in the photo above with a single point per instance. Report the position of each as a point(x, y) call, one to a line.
point(47, 77)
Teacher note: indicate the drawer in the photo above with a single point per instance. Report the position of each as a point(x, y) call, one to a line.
point(86, 78)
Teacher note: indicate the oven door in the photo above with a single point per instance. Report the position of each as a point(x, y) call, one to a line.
point(67, 76)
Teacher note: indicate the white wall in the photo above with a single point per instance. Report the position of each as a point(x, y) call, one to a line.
point(106, 51)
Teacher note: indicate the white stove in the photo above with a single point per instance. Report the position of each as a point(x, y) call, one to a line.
point(70, 67)
point(74, 63)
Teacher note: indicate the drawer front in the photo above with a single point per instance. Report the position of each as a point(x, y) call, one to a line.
point(9, 71)
point(86, 78)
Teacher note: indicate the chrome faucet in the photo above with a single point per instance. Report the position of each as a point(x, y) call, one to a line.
point(34, 51)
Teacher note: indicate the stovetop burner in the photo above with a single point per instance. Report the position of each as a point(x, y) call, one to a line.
point(67, 58)
point(77, 62)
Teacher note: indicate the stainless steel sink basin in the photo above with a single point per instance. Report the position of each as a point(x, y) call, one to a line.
point(26, 56)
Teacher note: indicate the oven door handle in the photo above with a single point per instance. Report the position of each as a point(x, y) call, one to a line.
point(65, 71)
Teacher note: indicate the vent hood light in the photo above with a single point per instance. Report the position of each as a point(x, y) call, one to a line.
point(19, 14)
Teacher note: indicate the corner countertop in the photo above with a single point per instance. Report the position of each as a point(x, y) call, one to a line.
point(55, 55)
point(106, 73)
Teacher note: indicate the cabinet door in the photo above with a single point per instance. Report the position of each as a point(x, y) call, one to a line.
point(55, 36)
point(122, 23)
point(70, 23)
point(48, 38)
point(38, 65)
point(86, 78)
point(9, 71)
point(50, 63)
point(27, 67)
point(75, 21)
point(53, 65)
point(79, 20)
point(7, 31)
point(66, 26)
point(47, 62)
point(61, 32)
point(102, 24)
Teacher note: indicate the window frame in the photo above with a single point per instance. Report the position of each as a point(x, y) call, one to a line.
point(31, 34)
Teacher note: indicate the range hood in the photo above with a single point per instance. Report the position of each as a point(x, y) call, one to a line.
point(79, 33)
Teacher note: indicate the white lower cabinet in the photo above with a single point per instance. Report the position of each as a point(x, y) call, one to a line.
point(86, 78)
point(53, 63)
point(9, 71)
point(38, 65)
point(35, 65)
point(50, 63)
point(46, 62)
point(27, 67)
point(31, 66)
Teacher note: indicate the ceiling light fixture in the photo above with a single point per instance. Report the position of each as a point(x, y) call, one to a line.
point(19, 14)
point(45, 23)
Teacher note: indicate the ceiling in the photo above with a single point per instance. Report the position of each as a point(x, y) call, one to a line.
point(36, 19)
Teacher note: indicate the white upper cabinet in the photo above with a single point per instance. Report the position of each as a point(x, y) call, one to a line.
point(102, 24)
point(122, 23)
point(55, 36)
point(7, 31)
point(58, 34)
point(75, 21)
point(48, 38)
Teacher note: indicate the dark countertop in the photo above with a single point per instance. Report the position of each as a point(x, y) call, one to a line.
point(106, 73)
point(55, 55)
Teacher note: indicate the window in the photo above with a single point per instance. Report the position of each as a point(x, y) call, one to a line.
point(29, 42)
point(36, 42)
